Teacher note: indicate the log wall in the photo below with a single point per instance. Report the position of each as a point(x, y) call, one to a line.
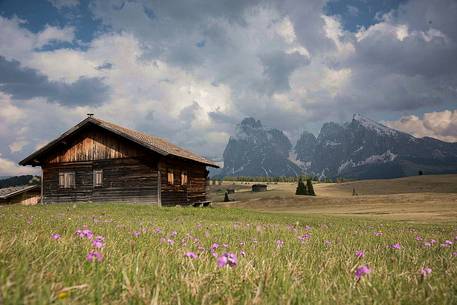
point(194, 191)
point(124, 180)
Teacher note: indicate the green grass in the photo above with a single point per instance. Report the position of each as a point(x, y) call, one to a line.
point(35, 269)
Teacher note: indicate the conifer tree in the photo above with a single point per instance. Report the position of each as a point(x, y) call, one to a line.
point(309, 186)
point(301, 188)
point(226, 197)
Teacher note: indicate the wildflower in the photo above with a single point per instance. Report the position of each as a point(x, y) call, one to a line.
point(191, 255)
point(361, 271)
point(173, 234)
point(279, 243)
point(158, 230)
point(396, 246)
point(427, 244)
point(418, 238)
point(225, 245)
point(304, 237)
point(454, 253)
point(448, 242)
point(94, 256)
point(242, 253)
point(425, 271)
point(327, 242)
point(432, 241)
point(227, 259)
point(378, 233)
point(136, 233)
point(307, 228)
point(170, 242)
point(242, 244)
point(55, 236)
point(63, 295)
point(98, 242)
point(221, 261)
point(359, 253)
point(86, 233)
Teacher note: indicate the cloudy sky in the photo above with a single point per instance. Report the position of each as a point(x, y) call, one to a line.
point(190, 70)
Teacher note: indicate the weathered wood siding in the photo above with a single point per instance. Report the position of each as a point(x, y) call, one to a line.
point(95, 144)
point(124, 180)
point(194, 191)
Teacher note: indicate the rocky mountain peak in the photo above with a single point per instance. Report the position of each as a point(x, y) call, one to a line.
point(359, 120)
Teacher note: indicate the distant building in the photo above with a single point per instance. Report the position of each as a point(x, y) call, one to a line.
point(259, 187)
point(26, 194)
point(98, 161)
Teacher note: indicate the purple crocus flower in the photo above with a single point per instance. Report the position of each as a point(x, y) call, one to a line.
point(214, 246)
point(378, 233)
point(361, 271)
point(427, 244)
point(191, 255)
point(136, 233)
point(229, 259)
point(171, 242)
point(94, 256)
point(454, 253)
point(304, 237)
point(396, 246)
point(221, 261)
point(98, 242)
point(359, 253)
point(279, 243)
point(55, 236)
point(418, 238)
point(242, 253)
point(425, 271)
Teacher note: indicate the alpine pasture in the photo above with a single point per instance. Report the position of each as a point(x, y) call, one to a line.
point(141, 254)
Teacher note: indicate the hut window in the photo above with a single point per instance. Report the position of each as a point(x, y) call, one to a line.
point(98, 178)
point(184, 178)
point(170, 177)
point(67, 180)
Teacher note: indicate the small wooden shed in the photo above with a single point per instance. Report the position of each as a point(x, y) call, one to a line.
point(259, 187)
point(26, 195)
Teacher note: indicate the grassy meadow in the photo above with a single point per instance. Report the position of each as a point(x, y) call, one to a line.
point(147, 255)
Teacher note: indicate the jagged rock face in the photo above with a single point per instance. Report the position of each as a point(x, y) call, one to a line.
point(258, 151)
point(305, 147)
point(366, 149)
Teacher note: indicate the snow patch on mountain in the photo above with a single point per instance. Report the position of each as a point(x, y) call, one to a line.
point(388, 156)
point(375, 126)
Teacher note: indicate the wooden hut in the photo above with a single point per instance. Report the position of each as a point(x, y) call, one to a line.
point(259, 187)
point(98, 161)
point(26, 195)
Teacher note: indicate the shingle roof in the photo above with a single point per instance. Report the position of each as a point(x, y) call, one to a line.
point(16, 190)
point(154, 143)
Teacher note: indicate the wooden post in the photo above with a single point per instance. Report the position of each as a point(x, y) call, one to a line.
point(159, 189)
point(42, 183)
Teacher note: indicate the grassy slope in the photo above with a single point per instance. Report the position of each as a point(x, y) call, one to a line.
point(420, 199)
point(34, 269)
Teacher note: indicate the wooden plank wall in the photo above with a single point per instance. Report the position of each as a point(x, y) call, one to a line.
point(194, 191)
point(127, 180)
point(95, 144)
point(124, 180)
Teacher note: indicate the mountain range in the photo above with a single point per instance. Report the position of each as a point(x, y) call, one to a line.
point(360, 149)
